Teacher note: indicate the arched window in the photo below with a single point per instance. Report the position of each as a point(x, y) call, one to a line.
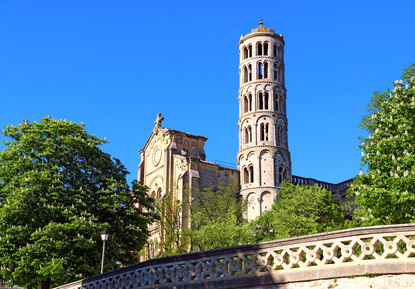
point(246, 176)
point(259, 48)
point(265, 48)
point(260, 72)
point(261, 101)
point(248, 134)
point(264, 129)
point(280, 174)
point(280, 52)
point(249, 72)
point(275, 72)
point(251, 174)
point(280, 77)
point(280, 133)
point(246, 104)
point(275, 51)
point(265, 69)
point(245, 75)
point(266, 97)
point(245, 53)
point(250, 102)
point(249, 50)
point(277, 102)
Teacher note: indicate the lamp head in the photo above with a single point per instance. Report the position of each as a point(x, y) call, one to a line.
point(104, 235)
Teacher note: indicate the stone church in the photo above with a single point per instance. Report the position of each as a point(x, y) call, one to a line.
point(171, 159)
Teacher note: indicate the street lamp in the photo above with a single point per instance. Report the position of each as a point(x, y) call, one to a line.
point(104, 237)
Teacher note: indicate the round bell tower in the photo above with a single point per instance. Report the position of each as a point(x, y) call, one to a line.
point(263, 159)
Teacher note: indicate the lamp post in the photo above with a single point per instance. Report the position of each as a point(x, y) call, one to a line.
point(104, 237)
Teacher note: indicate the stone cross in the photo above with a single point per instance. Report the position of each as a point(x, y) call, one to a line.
point(158, 121)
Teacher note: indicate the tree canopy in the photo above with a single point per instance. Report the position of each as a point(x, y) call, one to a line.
point(58, 191)
point(301, 210)
point(386, 194)
point(217, 218)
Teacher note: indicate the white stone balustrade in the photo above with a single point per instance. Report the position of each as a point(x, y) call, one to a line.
point(354, 252)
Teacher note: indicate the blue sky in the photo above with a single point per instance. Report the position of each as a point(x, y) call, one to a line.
point(115, 64)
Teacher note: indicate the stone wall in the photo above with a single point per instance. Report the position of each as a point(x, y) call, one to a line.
point(404, 281)
point(211, 174)
point(327, 260)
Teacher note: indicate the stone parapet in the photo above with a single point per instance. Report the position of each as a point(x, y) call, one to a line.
point(339, 190)
point(369, 251)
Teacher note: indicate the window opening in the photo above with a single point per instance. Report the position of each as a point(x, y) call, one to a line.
point(266, 70)
point(259, 50)
point(260, 71)
point(266, 131)
point(265, 48)
point(280, 174)
point(277, 103)
point(275, 72)
point(266, 100)
point(245, 53)
point(246, 135)
point(261, 101)
point(246, 176)
point(251, 174)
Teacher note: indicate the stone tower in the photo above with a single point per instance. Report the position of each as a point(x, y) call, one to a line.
point(263, 159)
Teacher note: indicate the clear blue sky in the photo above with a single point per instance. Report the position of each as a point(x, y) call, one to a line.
point(115, 64)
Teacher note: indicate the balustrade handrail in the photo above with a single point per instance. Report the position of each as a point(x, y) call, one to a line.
point(372, 247)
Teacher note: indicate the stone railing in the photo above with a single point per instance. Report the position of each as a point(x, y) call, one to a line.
point(353, 252)
point(338, 189)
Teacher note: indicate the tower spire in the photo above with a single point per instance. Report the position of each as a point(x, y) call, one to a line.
point(260, 22)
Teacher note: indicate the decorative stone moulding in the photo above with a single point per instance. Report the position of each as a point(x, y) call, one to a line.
point(371, 250)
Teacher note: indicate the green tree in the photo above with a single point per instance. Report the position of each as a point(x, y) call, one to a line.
point(301, 210)
point(217, 218)
point(386, 194)
point(173, 237)
point(58, 191)
point(215, 221)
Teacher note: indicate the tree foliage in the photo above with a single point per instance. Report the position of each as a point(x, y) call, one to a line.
point(217, 218)
point(386, 194)
point(215, 221)
point(172, 236)
point(301, 210)
point(58, 191)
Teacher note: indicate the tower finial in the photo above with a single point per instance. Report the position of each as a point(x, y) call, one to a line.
point(260, 22)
